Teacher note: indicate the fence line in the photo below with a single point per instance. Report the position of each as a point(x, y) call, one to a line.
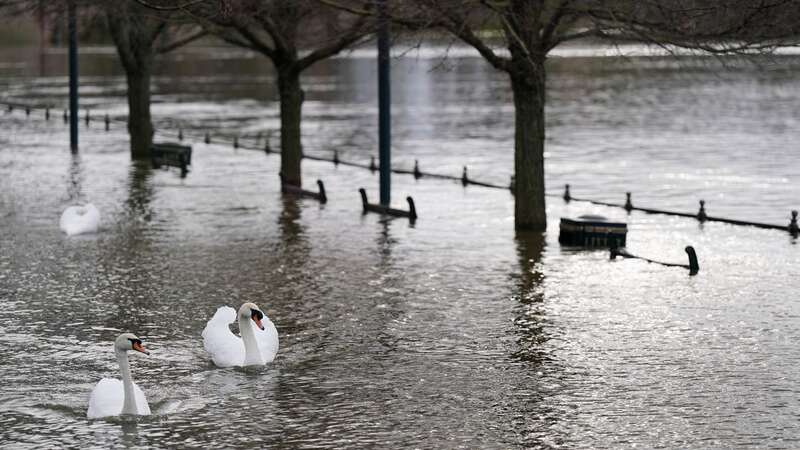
point(701, 215)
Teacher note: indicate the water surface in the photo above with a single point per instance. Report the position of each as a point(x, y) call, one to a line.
point(453, 332)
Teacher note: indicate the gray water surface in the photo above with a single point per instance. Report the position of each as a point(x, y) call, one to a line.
point(453, 332)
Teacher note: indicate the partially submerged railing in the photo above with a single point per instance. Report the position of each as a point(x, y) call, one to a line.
point(240, 141)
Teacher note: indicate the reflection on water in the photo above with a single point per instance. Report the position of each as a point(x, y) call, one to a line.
point(530, 321)
point(75, 179)
point(453, 332)
point(140, 191)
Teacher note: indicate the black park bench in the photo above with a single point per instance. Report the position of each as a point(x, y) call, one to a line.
point(171, 154)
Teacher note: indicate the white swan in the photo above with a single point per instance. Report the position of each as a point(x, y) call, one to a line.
point(112, 397)
point(257, 346)
point(80, 219)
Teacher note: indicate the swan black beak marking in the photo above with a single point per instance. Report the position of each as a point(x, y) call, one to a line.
point(257, 316)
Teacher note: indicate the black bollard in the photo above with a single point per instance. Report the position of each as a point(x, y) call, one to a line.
point(27, 111)
point(372, 165)
point(180, 134)
point(208, 138)
point(336, 157)
point(236, 142)
point(567, 196)
point(793, 228)
point(464, 179)
point(628, 204)
point(88, 118)
point(66, 116)
point(417, 173)
point(323, 197)
point(701, 215)
point(412, 209)
point(267, 150)
point(47, 113)
point(694, 266)
point(108, 122)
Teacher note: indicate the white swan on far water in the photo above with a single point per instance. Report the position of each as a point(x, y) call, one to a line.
point(257, 346)
point(80, 219)
point(112, 397)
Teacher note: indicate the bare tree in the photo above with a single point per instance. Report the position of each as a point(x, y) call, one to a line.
point(139, 35)
point(516, 36)
point(293, 35)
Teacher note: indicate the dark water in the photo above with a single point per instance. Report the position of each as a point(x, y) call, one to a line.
point(454, 332)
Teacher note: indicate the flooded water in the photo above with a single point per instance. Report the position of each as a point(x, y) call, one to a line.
point(453, 332)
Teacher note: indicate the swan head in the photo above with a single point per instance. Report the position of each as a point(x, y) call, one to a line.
point(253, 312)
point(129, 341)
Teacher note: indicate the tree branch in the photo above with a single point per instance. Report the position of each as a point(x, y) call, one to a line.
point(181, 42)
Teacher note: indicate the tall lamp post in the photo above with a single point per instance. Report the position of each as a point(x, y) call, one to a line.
point(73, 77)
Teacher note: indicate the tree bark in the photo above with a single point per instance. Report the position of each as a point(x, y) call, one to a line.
point(140, 125)
point(528, 87)
point(291, 98)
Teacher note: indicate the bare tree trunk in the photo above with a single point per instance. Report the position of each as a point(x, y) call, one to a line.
point(140, 125)
point(529, 90)
point(291, 98)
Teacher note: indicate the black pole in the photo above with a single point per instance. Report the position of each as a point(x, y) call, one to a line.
point(384, 107)
point(73, 78)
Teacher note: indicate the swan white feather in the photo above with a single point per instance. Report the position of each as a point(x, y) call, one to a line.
point(227, 349)
point(111, 397)
point(108, 397)
point(80, 219)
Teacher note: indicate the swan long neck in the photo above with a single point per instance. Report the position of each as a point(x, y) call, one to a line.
point(252, 354)
point(129, 404)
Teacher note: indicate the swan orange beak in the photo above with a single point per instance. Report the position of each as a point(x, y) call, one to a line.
point(138, 347)
point(257, 320)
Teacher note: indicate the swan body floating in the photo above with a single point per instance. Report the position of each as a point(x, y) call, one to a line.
point(112, 397)
point(257, 346)
point(80, 219)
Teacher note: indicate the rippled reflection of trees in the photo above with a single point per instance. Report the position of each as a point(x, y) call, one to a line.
point(140, 191)
point(530, 321)
point(537, 425)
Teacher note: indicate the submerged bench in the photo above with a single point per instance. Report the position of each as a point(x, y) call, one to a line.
point(592, 231)
point(171, 154)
